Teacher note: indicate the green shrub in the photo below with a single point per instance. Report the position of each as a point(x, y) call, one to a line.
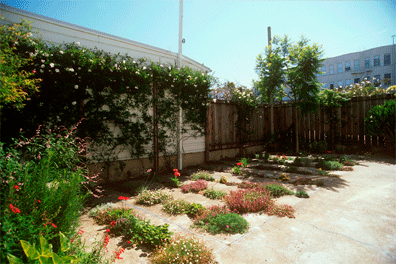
point(175, 207)
point(245, 162)
point(381, 121)
point(302, 194)
point(319, 147)
point(236, 170)
point(193, 210)
point(202, 175)
point(231, 223)
point(182, 250)
point(329, 165)
point(148, 197)
point(305, 162)
point(214, 194)
point(42, 189)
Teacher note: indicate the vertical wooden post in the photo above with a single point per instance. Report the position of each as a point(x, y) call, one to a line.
point(155, 127)
point(208, 132)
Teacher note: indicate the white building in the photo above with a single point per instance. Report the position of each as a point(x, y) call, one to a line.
point(347, 69)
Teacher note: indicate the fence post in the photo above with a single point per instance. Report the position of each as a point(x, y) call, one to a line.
point(155, 127)
point(208, 132)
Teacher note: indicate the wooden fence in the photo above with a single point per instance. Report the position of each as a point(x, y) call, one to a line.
point(345, 125)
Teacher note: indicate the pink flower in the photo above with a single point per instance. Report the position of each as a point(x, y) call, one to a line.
point(227, 226)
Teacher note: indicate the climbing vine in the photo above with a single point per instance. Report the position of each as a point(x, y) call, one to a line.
point(113, 95)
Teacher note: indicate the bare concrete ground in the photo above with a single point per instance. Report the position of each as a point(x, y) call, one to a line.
point(351, 219)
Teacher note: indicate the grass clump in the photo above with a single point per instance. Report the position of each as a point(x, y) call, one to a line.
point(149, 197)
point(195, 187)
point(277, 190)
point(182, 250)
point(202, 175)
point(214, 194)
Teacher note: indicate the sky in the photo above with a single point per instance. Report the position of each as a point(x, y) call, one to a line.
point(228, 35)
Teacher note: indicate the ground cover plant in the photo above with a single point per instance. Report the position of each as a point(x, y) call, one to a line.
point(220, 219)
point(275, 189)
point(302, 194)
point(306, 162)
point(329, 165)
point(202, 175)
point(175, 207)
point(151, 197)
point(182, 250)
point(195, 187)
point(214, 194)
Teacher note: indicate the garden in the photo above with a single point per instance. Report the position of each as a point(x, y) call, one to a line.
point(61, 117)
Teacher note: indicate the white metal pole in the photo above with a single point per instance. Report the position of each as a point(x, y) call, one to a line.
point(180, 119)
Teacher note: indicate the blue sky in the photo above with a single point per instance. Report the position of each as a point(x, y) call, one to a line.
point(228, 35)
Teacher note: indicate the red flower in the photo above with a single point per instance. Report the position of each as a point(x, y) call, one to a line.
point(123, 198)
point(34, 71)
point(329, 152)
point(107, 230)
point(80, 232)
point(71, 240)
point(14, 209)
point(175, 170)
point(239, 164)
point(16, 187)
point(129, 242)
point(177, 174)
point(53, 225)
point(39, 201)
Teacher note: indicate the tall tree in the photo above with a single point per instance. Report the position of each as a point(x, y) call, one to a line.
point(294, 67)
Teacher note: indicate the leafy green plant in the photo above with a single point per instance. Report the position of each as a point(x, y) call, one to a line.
point(302, 194)
point(329, 165)
point(214, 194)
point(319, 147)
point(380, 120)
point(194, 209)
point(195, 187)
point(245, 162)
point(236, 170)
point(175, 207)
point(46, 253)
point(182, 250)
point(109, 213)
point(202, 175)
point(43, 186)
point(148, 234)
point(149, 197)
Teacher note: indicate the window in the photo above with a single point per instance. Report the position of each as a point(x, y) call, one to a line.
point(339, 68)
point(347, 66)
point(348, 82)
point(323, 70)
point(387, 78)
point(387, 59)
point(339, 84)
point(367, 63)
point(331, 86)
point(377, 61)
point(357, 64)
point(331, 69)
point(356, 80)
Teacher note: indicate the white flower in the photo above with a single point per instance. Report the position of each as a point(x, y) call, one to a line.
point(170, 74)
point(89, 70)
point(137, 72)
point(77, 43)
point(76, 86)
point(169, 68)
point(214, 100)
point(42, 61)
point(57, 70)
point(133, 61)
point(161, 65)
point(74, 103)
point(42, 65)
point(46, 54)
point(29, 35)
point(61, 52)
point(52, 65)
point(16, 42)
point(144, 67)
point(136, 87)
point(127, 87)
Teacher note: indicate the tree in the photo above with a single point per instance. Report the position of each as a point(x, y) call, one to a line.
point(294, 67)
point(16, 84)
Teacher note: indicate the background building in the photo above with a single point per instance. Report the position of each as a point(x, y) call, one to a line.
point(377, 64)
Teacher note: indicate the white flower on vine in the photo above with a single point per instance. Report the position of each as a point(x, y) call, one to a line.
point(144, 67)
point(57, 70)
point(42, 61)
point(61, 51)
point(42, 65)
point(74, 103)
point(136, 87)
point(161, 65)
point(76, 86)
point(133, 61)
point(77, 43)
point(52, 65)
point(29, 34)
point(169, 68)
point(46, 54)
point(89, 70)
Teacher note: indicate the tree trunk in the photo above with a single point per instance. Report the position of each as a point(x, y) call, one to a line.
point(297, 130)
